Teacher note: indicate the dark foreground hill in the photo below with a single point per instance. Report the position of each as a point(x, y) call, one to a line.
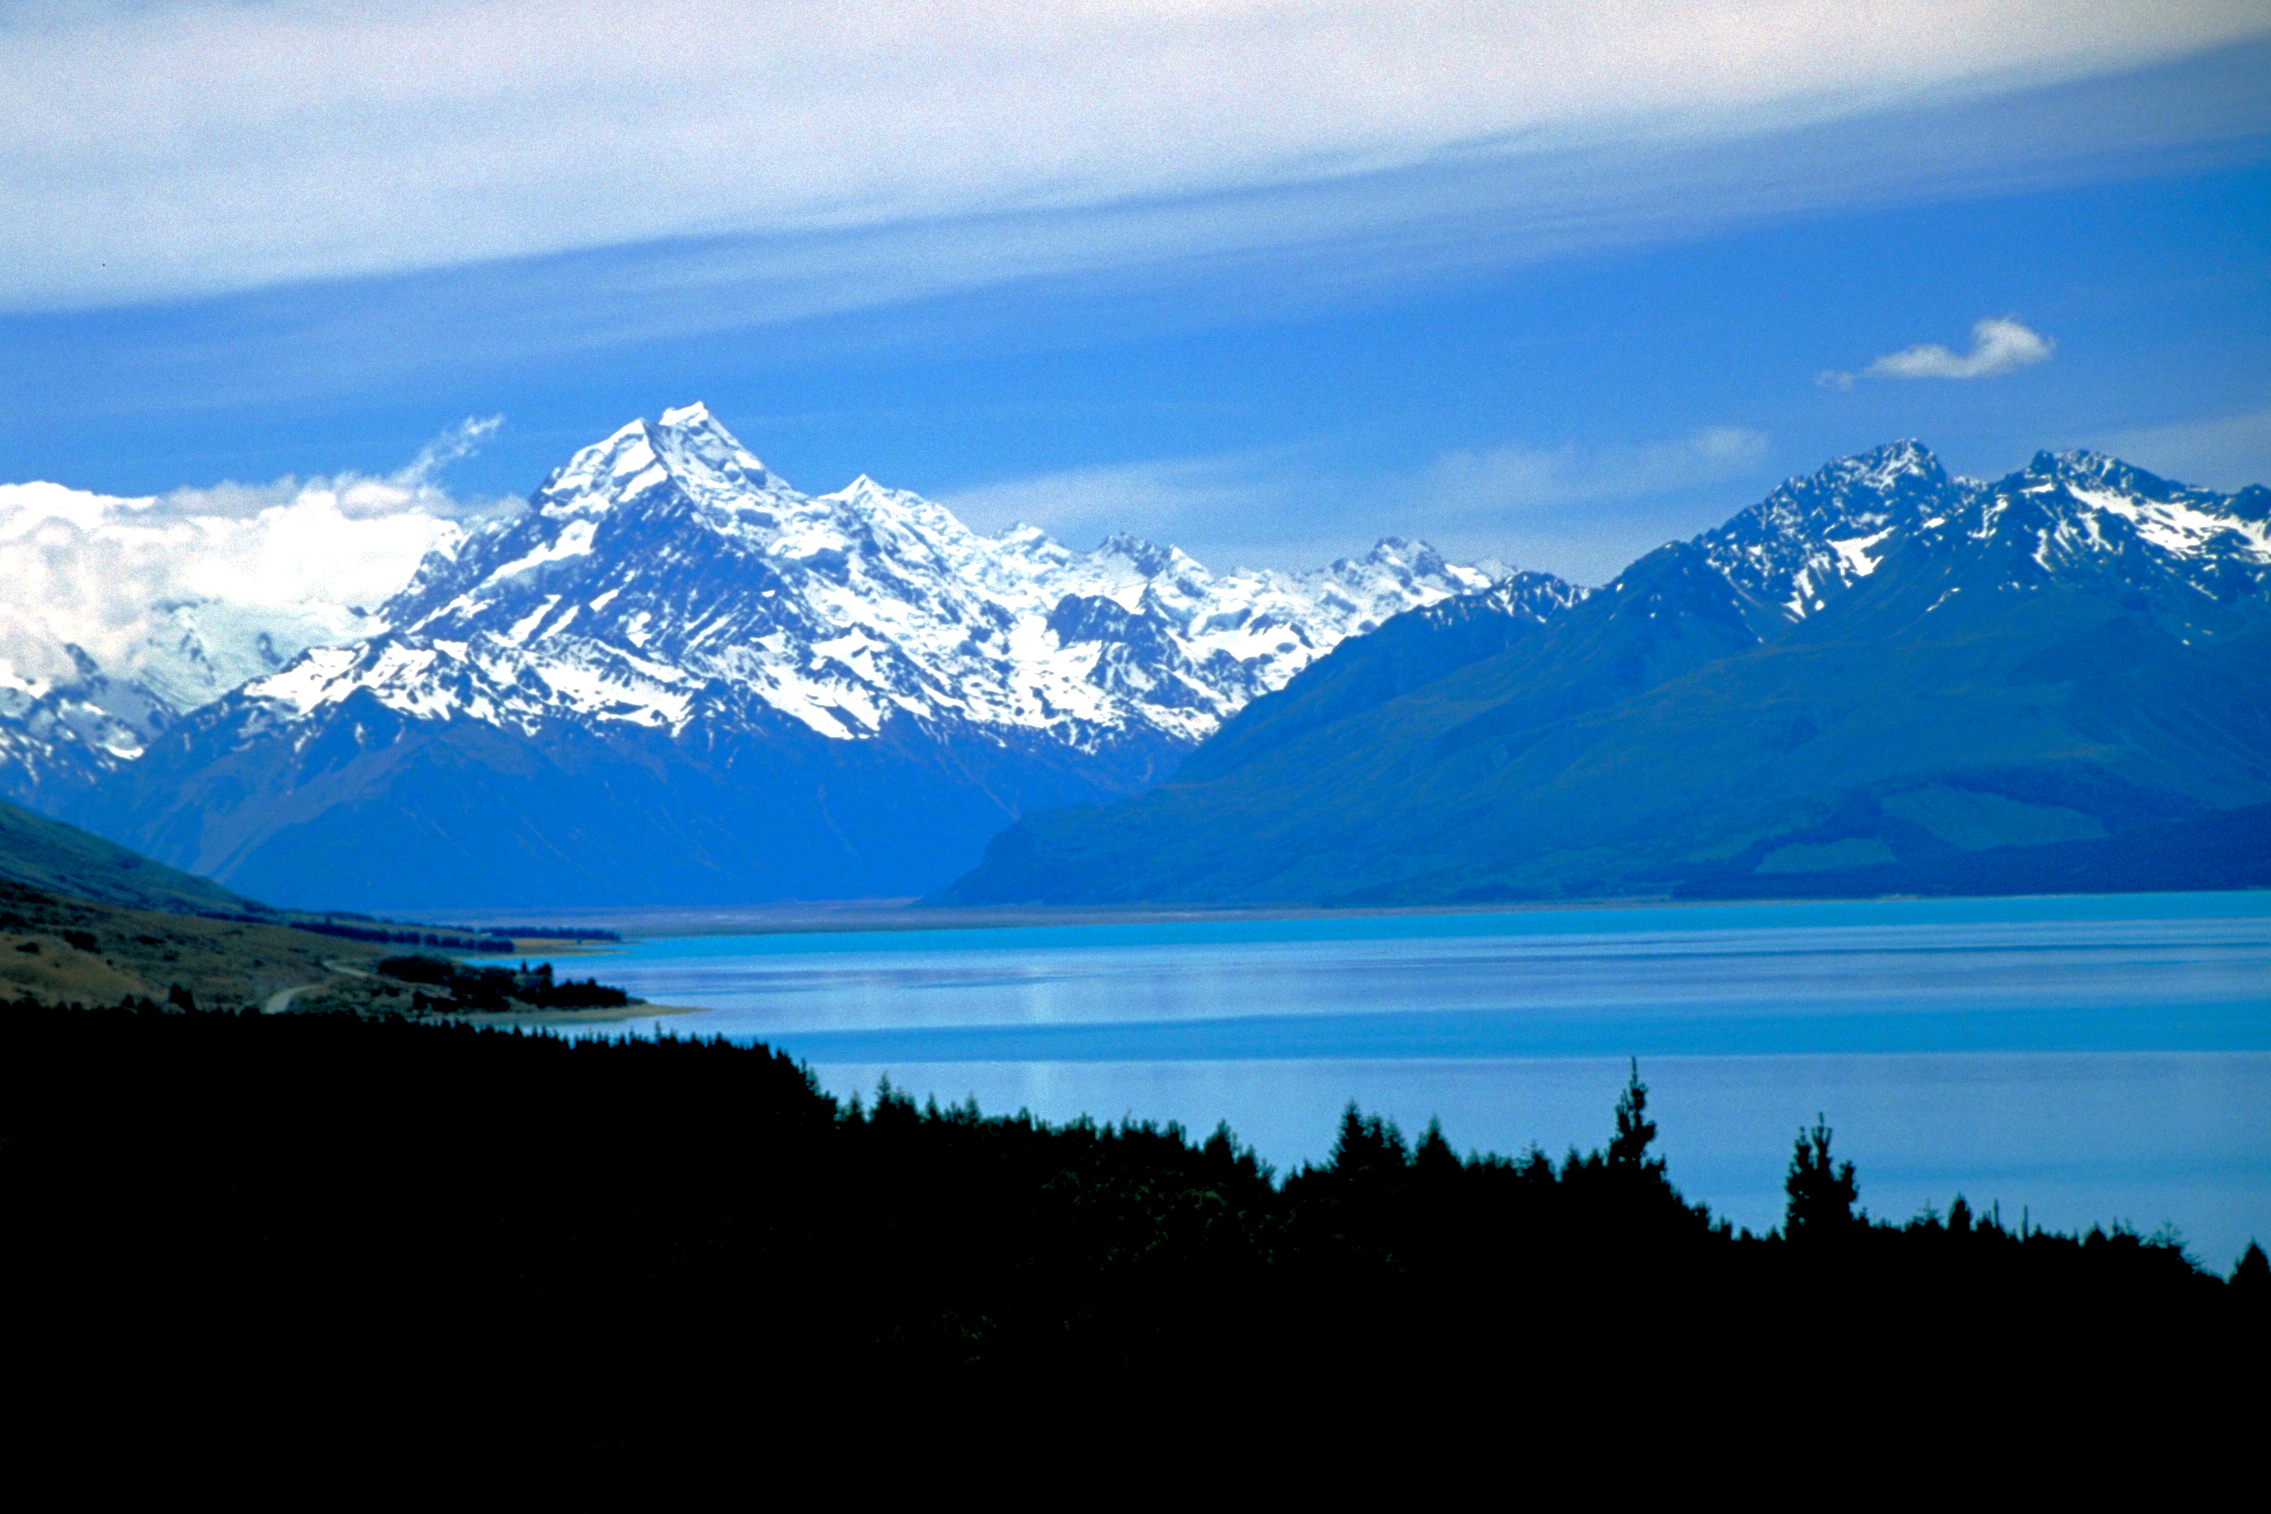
point(1880, 680)
point(390, 1225)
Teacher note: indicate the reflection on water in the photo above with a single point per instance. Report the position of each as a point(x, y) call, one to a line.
point(2092, 1058)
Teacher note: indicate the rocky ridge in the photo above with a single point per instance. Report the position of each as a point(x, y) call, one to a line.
point(665, 578)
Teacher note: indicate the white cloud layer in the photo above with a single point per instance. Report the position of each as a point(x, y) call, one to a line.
point(189, 146)
point(293, 561)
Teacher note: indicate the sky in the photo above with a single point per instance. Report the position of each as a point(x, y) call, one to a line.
point(1549, 283)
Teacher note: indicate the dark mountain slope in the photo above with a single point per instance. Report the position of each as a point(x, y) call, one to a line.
point(62, 859)
point(2067, 664)
point(1382, 790)
point(1412, 650)
point(393, 812)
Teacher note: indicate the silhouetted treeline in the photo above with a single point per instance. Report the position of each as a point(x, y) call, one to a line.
point(522, 1219)
point(501, 988)
point(380, 935)
point(455, 938)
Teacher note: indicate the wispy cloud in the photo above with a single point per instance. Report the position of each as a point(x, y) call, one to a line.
point(1998, 345)
point(1522, 479)
point(190, 146)
point(1583, 511)
point(2227, 452)
point(456, 444)
point(1212, 505)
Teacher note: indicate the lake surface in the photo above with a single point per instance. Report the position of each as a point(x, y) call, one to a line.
point(2084, 1059)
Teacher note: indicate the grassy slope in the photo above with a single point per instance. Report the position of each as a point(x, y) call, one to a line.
point(155, 928)
point(225, 964)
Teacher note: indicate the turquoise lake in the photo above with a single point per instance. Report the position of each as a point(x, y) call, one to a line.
point(2078, 1060)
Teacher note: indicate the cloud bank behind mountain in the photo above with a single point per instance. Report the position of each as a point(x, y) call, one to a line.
point(294, 559)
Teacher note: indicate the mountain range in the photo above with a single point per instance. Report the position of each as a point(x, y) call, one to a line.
point(1879, 679)
point(674, 678)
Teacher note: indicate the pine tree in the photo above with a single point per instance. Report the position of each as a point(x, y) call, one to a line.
point(1634, 1129)
point(1433, 1155)
point(1368, 1144)
point(2253, 1274)
point(1821, 1192)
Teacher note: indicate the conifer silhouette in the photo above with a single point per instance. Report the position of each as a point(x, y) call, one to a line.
point(1822, 1193)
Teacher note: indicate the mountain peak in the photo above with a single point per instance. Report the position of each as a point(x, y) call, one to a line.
point(2080, 466)
point(687, 448)
point(1150, 559)
point(2083, 517)
point(1883, 467)
point(1404, 552)
point(694, 445)
point(2073, 461)
point(1821, 533)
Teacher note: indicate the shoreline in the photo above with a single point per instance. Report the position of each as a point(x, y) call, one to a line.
point(887, 916)
point(538, 1019)
point(900, 916)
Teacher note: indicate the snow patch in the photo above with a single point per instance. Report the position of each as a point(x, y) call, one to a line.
point(1854, 553)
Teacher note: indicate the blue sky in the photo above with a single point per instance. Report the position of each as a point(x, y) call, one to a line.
point(1265, 280)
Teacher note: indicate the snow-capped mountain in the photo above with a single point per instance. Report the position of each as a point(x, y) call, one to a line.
point(1815, 536)
point(61, 732)
point(59, 736)
point(2074, 518)
point(120, 615)
point(2083, 519)
point(665, 578)
point(1531, 596)
point(1878, 680)
point(857, 670)
point(675, 678)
